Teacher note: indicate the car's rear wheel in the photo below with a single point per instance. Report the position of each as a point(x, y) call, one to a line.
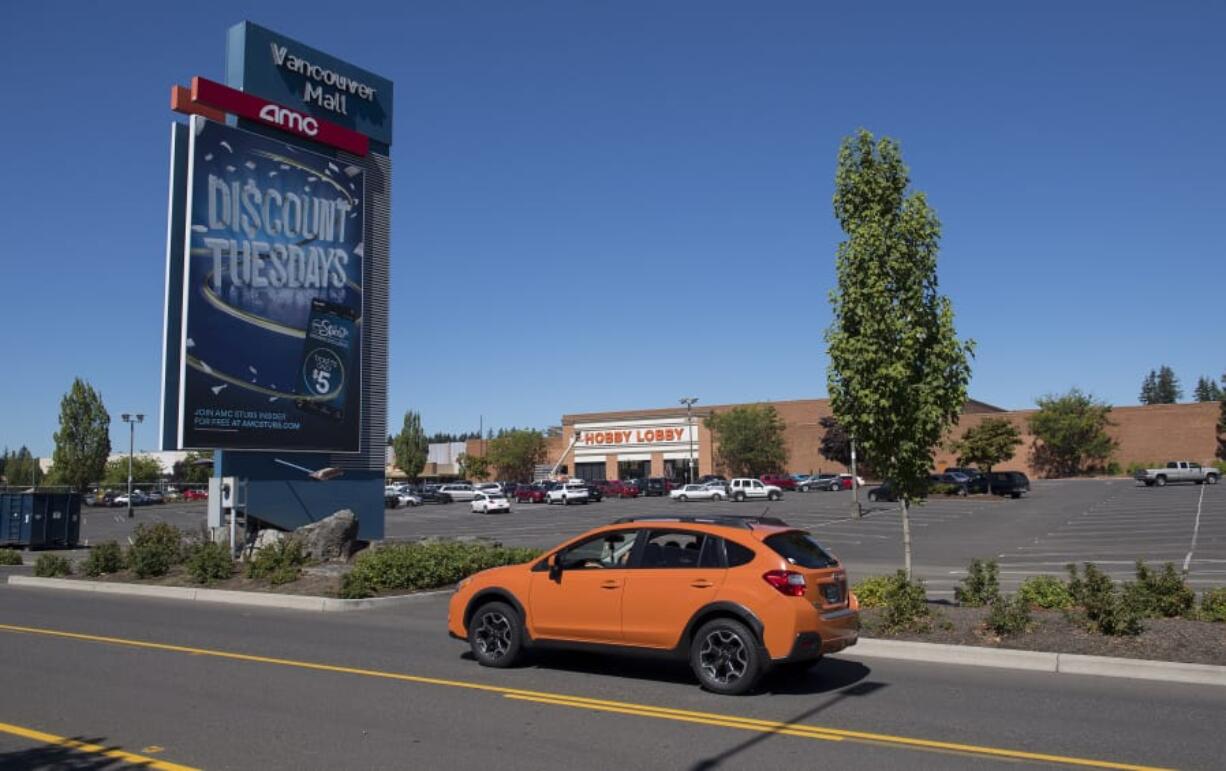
point(773, 496)
point(740, 496)
point(717, 497)
point(495, 635)
point(725, 657)
point(872, 497)
point(682, 498)
point(1211, 479)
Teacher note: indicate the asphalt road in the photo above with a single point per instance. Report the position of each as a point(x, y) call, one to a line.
point(219, 687)
point(1110, 522)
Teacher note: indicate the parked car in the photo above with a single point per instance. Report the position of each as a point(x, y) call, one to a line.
point(430, 494)
point(719, 486)
point(566, 494)
point(816, 482)
point(745, 488)
point(100, 499)
point(960, 482)
point(490, 502)
point(743, 597)
point(782, 481)
point(594, 492)
point(195, 495)
point(457, 492)
point(697, 493)
point(1015, 484)
point(712, 478)
point(653, 486)
point(617, 489)
point(486, 487)
point(391, 499)
point(883, 492)
point(977, 481)
point(1178, 471)
point(138, 499)
point(153, 496)
point(530, 493)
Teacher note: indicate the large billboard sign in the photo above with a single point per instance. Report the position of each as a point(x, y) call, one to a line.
point(272, 304)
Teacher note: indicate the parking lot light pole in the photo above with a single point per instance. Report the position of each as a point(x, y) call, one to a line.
point(688, 401)
point(131, 420)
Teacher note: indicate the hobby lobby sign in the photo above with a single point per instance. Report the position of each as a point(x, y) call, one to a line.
point(624, 436)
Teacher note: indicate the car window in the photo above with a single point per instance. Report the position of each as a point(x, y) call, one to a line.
point(737, 555)
point(607, 550)
point(672, 549)
point(800, 549)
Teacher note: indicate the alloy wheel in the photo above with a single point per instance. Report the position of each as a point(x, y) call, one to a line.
point(723, 658)
point(493, 635)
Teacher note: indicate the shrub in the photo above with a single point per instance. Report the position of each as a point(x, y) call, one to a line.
point(51, 566)
point(1108, 611)
point(1213, 605)
point(155, 549)
point(1009, 615)
point(1134, 467)
point(944, 488)
point(104, 558)
point(279, 563)
point(1113, 469)
point(10, 557)
point(981, 585)
point(871, 591)
point(208, 561)
point(428, 565)
point(906, 604)
point(1161, 595)
point(1045, 592)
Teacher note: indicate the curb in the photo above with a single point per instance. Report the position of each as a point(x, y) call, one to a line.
point(1038, 661)
point(226, 596)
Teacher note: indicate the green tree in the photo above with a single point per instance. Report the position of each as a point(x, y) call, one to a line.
point(192, 470)
point(514, 454)
point(1070, 433)
point(410, 446)
point(1161, 387)
point(1207, 390)
point(84, 440)
point(1221, 424)
point(748, 440)
point(992, 441)
point(473, 466)
point(898, 373)
point(144, 469)
point(21, 468)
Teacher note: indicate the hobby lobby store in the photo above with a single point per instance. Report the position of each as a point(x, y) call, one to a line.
point(660, 442)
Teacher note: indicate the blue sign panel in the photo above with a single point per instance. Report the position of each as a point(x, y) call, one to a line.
point(262, 62)
point(272, 296)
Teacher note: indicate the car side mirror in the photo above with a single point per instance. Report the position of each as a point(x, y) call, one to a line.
point(555, 568)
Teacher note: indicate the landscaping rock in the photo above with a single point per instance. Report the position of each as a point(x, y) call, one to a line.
point(331, 538)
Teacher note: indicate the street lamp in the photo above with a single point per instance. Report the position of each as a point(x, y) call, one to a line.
point(131, 420)
point(688, 401)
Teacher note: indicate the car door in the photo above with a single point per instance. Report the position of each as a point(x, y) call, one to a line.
point(584, 601)
point(676, 572)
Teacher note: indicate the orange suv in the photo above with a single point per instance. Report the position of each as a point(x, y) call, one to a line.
point(736, 596)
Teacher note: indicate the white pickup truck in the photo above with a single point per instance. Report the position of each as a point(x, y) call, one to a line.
point(1178, 471)
point(745, 488)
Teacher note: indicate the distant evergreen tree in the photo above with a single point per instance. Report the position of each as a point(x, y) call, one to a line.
point(1207, 390)
point(1149, 388)
point(1161, 387)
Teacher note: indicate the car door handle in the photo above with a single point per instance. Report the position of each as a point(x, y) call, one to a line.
point(702, 583)
point(611, 585)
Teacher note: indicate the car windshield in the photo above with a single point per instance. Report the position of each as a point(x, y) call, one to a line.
point(800, 549)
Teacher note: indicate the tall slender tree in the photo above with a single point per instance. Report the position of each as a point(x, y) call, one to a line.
point(1207, 390)
point(1169, 389)
point(84, 440)
point(410, 446)
point(898, 373)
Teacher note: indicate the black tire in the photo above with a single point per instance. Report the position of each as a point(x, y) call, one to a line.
point(872, 497)
point(565, 500)
point(496, 635)
point(773, 496)
point(1015, 496)
point(739, 497)
point(682, 498)
point(1211, 479)
point(725, 657)
point(1160, 481)
point(717, 497)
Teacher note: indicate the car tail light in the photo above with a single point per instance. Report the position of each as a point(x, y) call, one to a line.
point(788, 582)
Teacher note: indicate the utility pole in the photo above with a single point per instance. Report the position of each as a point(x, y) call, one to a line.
point(131, 420)
point(689, 401)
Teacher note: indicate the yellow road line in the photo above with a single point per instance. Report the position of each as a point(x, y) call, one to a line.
point(94, 749)
point(610, 706)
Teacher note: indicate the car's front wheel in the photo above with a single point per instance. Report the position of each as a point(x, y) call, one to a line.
point(717, 497)
point(496, 635)
point(740, 496)
point(773, 496)
point(872, 497)
point(725, 657)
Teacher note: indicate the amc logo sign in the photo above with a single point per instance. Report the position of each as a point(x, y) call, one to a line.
point(634, 436)
point(284, 117)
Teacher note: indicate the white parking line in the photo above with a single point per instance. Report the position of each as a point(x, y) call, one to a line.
point(1195, 530)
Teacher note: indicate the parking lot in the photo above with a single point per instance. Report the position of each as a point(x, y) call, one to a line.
point(1109, 522)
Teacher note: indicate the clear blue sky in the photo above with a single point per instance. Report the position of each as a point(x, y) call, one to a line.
point(614, 205)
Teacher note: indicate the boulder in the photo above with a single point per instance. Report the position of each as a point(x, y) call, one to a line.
point(331, 538)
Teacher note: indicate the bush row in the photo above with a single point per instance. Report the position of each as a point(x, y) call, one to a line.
point(1089, 596)
point(426, 565)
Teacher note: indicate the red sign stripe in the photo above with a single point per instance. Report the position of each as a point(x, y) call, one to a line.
point(279, 116)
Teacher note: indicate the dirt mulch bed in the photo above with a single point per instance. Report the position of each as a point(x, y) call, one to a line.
point(1164, 639)
point(310, 583)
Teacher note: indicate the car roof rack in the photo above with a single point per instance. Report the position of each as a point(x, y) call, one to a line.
point(732, 520)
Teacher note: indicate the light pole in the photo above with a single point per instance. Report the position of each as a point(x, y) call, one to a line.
point(688, 401)
point(131, 420)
